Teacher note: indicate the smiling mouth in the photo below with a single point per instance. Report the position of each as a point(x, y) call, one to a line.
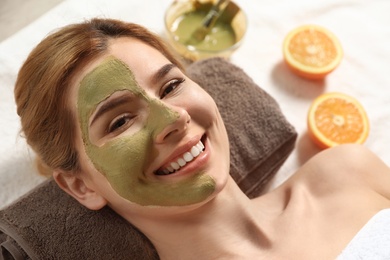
point(183, 160)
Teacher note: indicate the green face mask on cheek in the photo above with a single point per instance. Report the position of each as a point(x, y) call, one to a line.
point(123, 159)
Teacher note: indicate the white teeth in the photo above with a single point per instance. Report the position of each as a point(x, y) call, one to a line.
point(175, 165)
point(199, 146)
point(187, 157)
point(181, 162)
point(195, 151)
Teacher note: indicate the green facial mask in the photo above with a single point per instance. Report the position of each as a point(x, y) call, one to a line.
point(122, 160)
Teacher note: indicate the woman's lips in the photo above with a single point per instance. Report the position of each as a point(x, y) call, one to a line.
point(182, 160)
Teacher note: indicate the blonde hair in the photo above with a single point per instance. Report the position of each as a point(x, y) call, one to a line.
point(43, 83)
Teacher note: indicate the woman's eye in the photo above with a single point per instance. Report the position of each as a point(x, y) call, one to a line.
point(171, 86)
point(119, 123)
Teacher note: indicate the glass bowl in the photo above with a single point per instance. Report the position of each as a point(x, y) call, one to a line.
point(183, 17)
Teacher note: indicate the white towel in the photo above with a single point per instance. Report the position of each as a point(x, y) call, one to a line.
point(372, 241)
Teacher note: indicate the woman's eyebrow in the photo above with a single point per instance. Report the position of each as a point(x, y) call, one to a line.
point(110, 105)
point(164, 70)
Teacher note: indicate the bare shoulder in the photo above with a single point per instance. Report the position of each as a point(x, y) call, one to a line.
point(331, 196)
point(345, 175)
point(347, 166)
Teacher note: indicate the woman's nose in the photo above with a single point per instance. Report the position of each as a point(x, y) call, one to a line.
point(177, 129)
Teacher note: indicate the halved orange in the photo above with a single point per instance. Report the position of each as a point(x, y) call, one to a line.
point(336, 118)
point(312, 51)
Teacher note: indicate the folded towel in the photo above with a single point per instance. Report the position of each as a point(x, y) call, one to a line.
point(49, 224)
point(372, 241)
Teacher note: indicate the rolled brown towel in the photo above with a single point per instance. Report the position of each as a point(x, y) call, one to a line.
point(49, 224)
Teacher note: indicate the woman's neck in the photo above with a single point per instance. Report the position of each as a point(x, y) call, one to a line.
point(225, 226)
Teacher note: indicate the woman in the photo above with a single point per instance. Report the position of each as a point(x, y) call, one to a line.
point(116, 121)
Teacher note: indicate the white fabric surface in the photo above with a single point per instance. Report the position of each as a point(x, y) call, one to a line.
point(372, 241)
point(363, 28)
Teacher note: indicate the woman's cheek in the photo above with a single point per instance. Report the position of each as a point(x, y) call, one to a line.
point(199, 104)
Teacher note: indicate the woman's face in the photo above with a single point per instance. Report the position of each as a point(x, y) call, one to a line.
point(147, 132)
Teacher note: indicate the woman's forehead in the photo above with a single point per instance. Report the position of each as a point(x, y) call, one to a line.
point(109, 76)
point(141, 59)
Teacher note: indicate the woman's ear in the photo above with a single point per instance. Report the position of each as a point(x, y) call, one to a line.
point(77, 188)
